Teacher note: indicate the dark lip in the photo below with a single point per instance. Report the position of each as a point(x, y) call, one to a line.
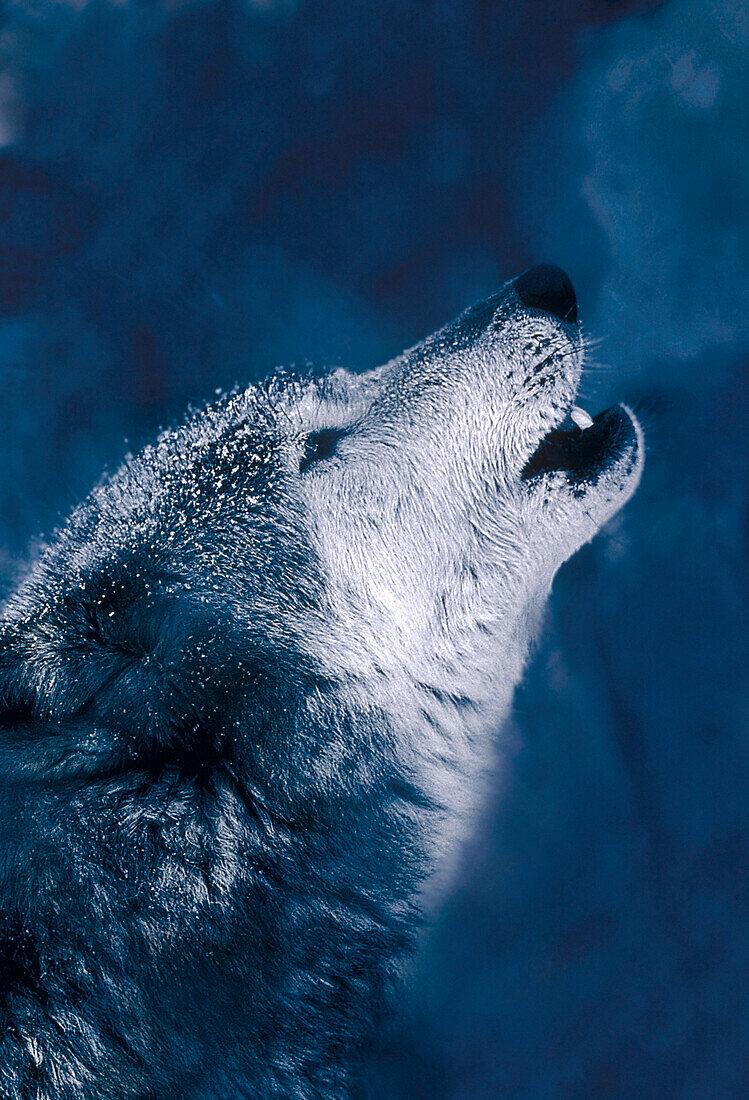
point(584, 455)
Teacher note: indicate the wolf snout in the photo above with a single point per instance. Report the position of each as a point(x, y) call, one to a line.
point(549, 288)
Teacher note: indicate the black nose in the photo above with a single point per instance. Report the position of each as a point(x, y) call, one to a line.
point(548, 288)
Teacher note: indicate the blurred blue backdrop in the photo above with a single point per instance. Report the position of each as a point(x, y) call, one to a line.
point(194, 192)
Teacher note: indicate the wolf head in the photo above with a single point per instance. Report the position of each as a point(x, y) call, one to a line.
point(441, 493)
point(377, 530)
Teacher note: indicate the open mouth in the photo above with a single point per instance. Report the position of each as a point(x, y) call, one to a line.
point(592, 447)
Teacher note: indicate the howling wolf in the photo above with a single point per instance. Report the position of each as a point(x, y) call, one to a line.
point(249, 695)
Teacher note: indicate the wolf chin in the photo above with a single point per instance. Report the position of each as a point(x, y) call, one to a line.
point(249, 695)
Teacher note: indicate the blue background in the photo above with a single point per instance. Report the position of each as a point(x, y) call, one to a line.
point(193, 193)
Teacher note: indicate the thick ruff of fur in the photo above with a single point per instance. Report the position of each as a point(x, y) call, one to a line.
point(249, 695)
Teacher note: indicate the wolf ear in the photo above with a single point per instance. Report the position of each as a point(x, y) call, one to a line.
point(106, 679)
point(126, 672)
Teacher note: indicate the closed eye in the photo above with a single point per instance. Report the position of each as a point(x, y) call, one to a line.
point(319, 445)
